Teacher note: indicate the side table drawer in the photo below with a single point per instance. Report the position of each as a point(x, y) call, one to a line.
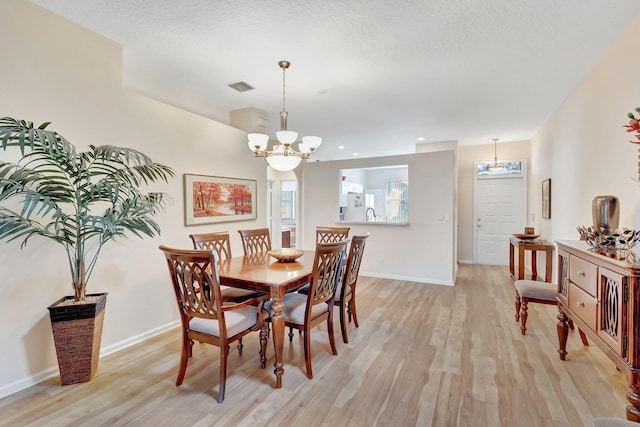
point(583, 304)
point(583, 273)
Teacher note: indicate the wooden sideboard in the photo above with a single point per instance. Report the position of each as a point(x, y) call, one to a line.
point(599, 290)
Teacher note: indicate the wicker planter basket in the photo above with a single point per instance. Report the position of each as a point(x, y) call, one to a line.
point(77, 331)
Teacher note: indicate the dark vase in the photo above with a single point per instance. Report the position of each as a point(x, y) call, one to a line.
point(606, 213)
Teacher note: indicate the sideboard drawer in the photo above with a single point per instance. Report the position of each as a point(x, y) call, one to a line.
point(583, 304)
point(583, 273)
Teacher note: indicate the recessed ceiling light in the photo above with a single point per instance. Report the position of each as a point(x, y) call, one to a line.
point(340, 147)
point(421, 138)
point(355, 154)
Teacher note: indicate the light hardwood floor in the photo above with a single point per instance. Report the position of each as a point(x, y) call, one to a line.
point(423, 355)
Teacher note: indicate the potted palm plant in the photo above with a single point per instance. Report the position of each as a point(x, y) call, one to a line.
point(80, 200)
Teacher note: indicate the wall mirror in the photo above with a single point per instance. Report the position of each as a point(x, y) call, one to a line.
point(375, 194)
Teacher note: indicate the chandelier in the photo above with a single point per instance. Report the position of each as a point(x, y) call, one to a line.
point(283, 157)
point(495, 167)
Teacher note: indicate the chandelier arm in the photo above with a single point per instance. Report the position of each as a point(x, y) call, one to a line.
point(290, 152)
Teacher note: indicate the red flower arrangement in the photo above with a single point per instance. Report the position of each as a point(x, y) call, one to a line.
point(634, 125)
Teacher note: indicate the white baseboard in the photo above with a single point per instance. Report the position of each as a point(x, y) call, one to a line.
point(113, 348)
point(408, 278)
point(27, 382)
point(38, 377)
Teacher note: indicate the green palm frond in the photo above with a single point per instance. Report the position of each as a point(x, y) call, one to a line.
point(59, 191)
point(14, 226)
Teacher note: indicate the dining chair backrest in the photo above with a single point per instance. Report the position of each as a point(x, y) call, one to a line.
point(354, 260)
point(197, 290)
point(327, 272)
point(331, 234)
point(218, 242)
point(255, 240)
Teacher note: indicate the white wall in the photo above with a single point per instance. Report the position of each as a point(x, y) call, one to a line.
point(583, 147)
point(422, 251)
point(54, 70)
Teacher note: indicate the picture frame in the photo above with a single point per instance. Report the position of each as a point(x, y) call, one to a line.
point(546, 198)
point(213, 199)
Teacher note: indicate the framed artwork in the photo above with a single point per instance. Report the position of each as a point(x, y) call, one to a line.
point(211, 199)
point(546, 198)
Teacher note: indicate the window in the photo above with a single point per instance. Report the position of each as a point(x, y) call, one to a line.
point(377, 194)
point(397, 200)
point(504, 168)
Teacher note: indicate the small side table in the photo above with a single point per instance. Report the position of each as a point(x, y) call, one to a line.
point(532, 246)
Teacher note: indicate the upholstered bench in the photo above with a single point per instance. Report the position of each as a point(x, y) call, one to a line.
point(614, 422)
point(532, 291)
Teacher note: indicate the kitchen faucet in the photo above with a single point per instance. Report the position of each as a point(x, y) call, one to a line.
point(366, 214)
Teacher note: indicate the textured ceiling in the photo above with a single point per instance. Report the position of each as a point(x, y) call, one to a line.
point(372, 76)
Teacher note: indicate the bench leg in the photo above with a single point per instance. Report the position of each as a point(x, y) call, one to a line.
point(524, 315)
point(583, 338)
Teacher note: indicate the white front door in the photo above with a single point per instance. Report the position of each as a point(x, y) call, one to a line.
point(500, 204)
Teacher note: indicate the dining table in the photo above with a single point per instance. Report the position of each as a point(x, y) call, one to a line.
point(261, 272)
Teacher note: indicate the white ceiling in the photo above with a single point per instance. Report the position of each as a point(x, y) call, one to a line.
point(373, 75)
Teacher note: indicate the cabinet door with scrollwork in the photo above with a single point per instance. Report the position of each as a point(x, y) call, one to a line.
point(611, 294)
point(563, 276)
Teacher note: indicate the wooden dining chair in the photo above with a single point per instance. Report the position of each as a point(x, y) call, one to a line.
point(204, 318)
point(331, 234)
point(325, 235)
point(255, 240)
point(221, 244)
point(305, 312)
point(346, 290)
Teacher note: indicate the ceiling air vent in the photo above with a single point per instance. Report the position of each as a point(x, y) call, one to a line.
point(240, 86)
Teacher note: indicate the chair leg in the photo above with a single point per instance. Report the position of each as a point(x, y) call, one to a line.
point(264, 338)
point(352, 310)
point(185, 354)
point(307, 352)
point(571, 325)
point(343, 320)
point(290, 334)
point(524, 315)
point(332, 339)
point(518, 303)
point(240, 346)
point(223, 373)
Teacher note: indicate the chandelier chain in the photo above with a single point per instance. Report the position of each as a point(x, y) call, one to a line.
point(284, 70)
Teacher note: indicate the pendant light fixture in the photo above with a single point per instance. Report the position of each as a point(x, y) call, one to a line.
point(495, 167)
point(283, 157)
